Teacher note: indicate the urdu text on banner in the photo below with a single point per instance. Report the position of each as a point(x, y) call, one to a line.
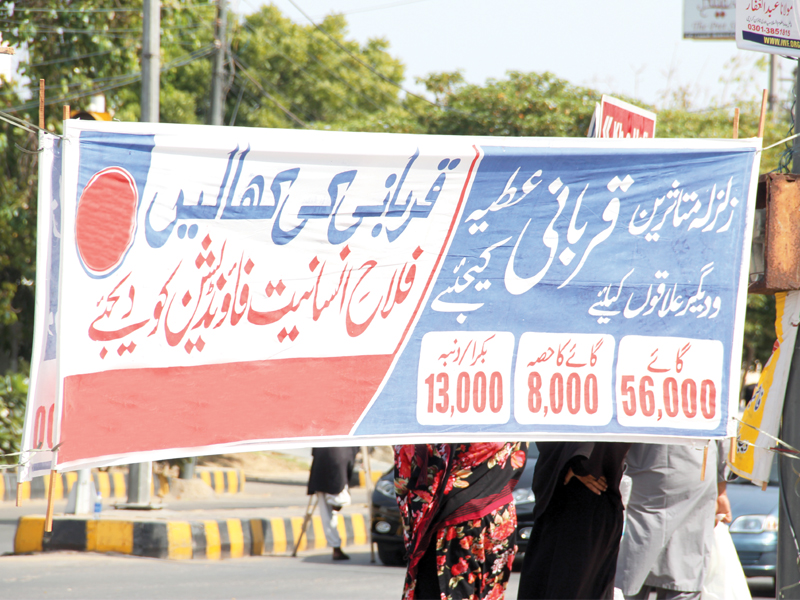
point(229, 289)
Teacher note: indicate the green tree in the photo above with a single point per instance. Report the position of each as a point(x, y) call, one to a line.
point(523, 104)
point(759, 331)
point(13, 394)
point(286, 73)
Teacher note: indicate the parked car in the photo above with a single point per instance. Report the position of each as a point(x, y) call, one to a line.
point(387, 530)
point(754, 528)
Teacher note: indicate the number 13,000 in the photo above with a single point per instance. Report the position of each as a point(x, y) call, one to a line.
point(476, 384)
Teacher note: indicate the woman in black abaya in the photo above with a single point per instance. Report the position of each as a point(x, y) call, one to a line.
point(572, 551)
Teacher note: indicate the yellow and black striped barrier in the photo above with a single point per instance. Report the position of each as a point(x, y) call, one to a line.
point(113, 485)
point(110, 484)
point(222, 480)
point(180, 540)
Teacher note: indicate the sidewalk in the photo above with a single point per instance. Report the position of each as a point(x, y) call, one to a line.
point(262, 516)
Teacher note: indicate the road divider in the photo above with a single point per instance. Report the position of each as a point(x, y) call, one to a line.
point(181, 540)
point(113, 485)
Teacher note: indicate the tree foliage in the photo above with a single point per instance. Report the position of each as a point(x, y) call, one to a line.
point(316, 75)
point(13, 394)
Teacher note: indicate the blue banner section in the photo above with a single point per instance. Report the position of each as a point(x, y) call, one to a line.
point(54, 254)
point(584, 291)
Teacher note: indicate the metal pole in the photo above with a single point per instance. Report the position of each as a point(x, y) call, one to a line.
point(796, 141)
point(151, 60)
point(140, 475)
point(218, 77)
point(369, 486)
point(773, 84)
point(82, 495)
point(788, 574)
point(140, 479)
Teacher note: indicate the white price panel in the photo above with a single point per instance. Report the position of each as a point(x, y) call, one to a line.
point(564, 379)
point(464, 378)
point(669, 382)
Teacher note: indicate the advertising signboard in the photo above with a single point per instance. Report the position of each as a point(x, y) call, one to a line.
point(229, 289)
point(709, 19)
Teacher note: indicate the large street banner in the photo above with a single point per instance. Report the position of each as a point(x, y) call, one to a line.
point(229, 289)
point(768, 26)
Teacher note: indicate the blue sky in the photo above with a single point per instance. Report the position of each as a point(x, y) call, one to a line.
point(632, 47)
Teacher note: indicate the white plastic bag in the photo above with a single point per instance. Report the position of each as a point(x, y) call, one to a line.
point(725, 579)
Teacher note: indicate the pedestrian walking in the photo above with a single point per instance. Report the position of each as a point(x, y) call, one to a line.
point(670, 520)
point(331, 470)
point(578, 518)
point(458, 517)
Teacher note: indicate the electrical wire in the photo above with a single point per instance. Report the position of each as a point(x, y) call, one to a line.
point(107, 10)
point(60, 30)
point(203, 51)
point(321, 64)
point(314, 77)
point(16, 122)
point(232, 122)
point(381, 7)
point(121, 81)
point(366, 65)
point(770, 436)
point(787, 156)
point(314, 58)
point(199, 53)
point(269, 96)
point(310, 115)
point(68, 59)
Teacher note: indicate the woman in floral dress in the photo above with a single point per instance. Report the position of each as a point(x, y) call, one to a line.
point(458, 517)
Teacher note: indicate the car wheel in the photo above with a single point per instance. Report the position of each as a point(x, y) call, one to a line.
point(392, 555)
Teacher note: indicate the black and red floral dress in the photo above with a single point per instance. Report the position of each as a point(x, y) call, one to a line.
point(458, 516)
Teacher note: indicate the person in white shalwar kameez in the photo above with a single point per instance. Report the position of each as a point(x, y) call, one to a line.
point(669, 521)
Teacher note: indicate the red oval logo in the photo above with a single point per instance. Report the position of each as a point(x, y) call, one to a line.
point(106, 219)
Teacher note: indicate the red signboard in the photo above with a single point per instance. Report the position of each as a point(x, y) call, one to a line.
point(618, 119)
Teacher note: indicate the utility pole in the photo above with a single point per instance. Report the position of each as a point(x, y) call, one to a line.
point(151, 60)
point(773, 85)
point(140, 475)
point(788, 576)
point(218, 77)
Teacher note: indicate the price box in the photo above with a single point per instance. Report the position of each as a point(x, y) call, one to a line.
point(669, 382)
point(464, 378)
point(564, 379)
